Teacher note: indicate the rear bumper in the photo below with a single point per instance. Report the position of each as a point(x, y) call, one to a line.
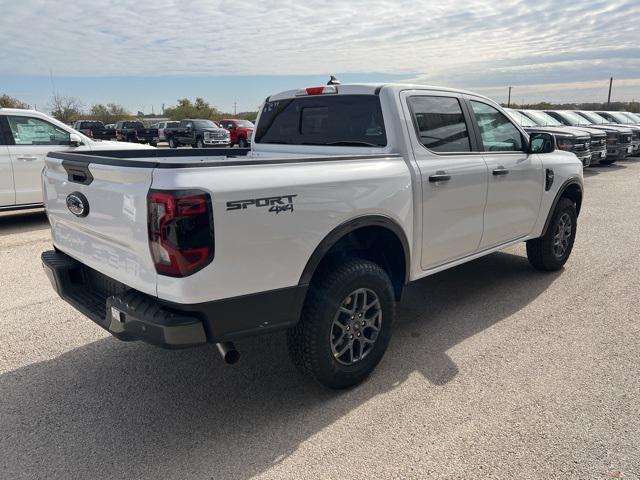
point(125, 313)
point(132, 315)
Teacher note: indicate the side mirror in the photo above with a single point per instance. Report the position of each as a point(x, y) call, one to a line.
point(542, 143)
point(75, 140)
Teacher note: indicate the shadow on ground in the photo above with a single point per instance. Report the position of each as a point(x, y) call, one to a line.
point(22, 222)
point(128, 410)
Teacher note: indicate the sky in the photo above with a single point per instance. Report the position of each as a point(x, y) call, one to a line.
point(240, 52)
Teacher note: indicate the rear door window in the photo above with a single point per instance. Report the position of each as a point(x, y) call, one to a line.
point(334, 120)
point(440, 123)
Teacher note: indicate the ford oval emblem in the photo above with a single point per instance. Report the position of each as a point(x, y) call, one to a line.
point(78, 204)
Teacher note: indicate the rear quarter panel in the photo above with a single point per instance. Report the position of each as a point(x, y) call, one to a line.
point(257, 250)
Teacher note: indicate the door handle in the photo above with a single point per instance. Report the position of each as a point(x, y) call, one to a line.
point(500, 171)
point(439, 177)
point(27, 158)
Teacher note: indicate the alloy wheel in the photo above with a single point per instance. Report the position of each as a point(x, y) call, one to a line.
point(356, 326)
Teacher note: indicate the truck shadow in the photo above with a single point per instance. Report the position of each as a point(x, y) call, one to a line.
point(127, 410)
point(22, 222)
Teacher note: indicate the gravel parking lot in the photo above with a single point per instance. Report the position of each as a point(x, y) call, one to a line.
point(494, 371)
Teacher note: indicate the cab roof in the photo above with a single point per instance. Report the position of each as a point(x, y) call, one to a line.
point(372, 89)
point(23, 111)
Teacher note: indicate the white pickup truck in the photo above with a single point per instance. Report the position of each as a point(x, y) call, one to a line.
point(349, 193)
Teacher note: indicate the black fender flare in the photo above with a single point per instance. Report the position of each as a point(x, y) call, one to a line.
point(563, 188)
point(347, 227)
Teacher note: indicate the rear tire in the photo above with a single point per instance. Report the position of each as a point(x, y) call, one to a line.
point(172, 143)
point(345, 325)
point(153, 144)
point(551, 251)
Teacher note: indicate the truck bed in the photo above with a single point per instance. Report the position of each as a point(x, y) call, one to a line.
point(111, 235)
point(223, 157)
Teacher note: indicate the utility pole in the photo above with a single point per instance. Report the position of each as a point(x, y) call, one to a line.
point(509, 100)
point(163, 109)
point(609, 97)
point(235, 104)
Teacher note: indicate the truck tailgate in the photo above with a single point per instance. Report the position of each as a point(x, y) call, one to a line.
point(112, 237)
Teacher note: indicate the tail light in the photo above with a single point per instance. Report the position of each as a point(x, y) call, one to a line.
point(180, 231)
point(164, 132)
point(90, 133)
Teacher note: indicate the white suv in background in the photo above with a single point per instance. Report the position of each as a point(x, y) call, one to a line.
point(162, 126)
point(26, 136)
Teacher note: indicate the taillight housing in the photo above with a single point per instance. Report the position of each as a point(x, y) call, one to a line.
point(181, 237)
point(90, 133)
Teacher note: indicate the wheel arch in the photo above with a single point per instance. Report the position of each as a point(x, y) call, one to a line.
point(375, 237)
point(571, 189)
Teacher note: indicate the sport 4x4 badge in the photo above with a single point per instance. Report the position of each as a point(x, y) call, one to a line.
point(282, 203)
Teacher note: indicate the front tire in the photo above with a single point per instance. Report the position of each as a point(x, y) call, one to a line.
point(199, 143)
point(551, 251)
point(345, 325)
point(242, 143)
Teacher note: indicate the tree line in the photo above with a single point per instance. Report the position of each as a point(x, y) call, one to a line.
point(69, 109)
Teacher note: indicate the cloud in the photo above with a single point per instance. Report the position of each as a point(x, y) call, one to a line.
point(460, 43)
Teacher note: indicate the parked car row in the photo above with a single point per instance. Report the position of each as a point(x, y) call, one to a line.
point(123, 131)
point(202, 133)
point(594, 137)
point(197, 132)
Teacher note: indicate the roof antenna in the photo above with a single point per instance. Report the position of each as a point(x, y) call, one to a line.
point(333, 81)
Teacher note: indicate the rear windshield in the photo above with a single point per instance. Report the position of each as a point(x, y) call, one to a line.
point(244, 124)
point(132, 125)
point(347, 120)
point(91, 125)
